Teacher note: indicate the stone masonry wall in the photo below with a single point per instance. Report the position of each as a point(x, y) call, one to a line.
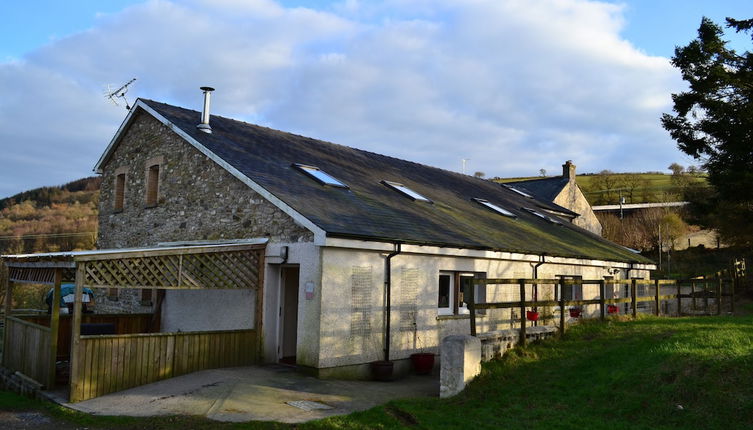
point(572, 198)
point(197, 199)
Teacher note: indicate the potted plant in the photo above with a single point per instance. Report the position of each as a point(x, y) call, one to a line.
point(612, 309)
point(422, 361)
point(575, 312)
point(532, 315)
point(381, 370)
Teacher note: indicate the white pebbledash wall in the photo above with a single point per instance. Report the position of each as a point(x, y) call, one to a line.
point(353, 294)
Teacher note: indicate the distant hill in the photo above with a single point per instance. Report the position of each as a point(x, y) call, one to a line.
point(58, 218)
point(607, 188)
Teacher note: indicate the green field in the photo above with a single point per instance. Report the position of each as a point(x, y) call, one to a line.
point(644, 187)
point(653, 373)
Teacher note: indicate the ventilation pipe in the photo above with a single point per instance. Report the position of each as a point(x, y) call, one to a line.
point(204, 125)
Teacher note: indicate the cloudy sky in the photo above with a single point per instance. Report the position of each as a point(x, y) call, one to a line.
point(512, 86)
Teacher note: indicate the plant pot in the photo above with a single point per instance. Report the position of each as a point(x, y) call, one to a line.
point(612, 309)
point(532, 315)
point(382, 370)
point(423, 362)
point(575, 313)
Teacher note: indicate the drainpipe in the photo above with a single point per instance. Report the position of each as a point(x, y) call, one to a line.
point(536, 286)
point(388, 289)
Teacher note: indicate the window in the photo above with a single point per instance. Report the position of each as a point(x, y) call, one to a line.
point(522, 193)
point(405, 190)
point(112, 294)
point(152, 185)
point(572, 292)
point(319, 175)
point(454, 289)
point(494, 207)
point(146, 297)
point(542, 216)
point(119, 191)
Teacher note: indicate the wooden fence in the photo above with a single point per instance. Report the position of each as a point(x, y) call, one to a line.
point(701, 291)
point(27, 350)
point(124, 324)
point(110, 363)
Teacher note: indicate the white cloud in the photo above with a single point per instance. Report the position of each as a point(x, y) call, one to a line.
point(512, 85)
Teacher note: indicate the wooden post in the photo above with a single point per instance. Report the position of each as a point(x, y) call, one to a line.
point(472, 307)
point(562, 307)
point(732, 292)
point(602, 293)
point(54, 325)
point(705, 296)
point(633, 301)
point(657, 287)
point(679, 299)
point(522, 284)
point(8, 309)
point(76, 359)
point(692, 293)
point(719, 294)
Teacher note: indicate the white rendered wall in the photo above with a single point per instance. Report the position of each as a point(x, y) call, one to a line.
point(343, 340)
point(202, 310)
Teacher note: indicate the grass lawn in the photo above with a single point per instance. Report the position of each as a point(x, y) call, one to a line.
point(653, 373)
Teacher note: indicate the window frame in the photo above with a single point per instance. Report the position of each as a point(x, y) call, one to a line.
point(152, 182)
point(406, 191)
point(494, 207)
point(456, 306)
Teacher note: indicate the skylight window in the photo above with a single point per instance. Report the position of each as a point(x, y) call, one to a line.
point(494, 207)
point(522, 193)
point(542, 216)
point(405, 190)
point(319, 175)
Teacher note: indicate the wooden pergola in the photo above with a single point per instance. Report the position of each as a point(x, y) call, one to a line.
point(101, 364)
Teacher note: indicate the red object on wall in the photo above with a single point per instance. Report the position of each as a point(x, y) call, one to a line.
point(532, 315)
point(574, 313)
point(612, 309)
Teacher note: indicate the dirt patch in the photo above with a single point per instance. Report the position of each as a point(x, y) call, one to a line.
point(405, 418)
point(31, 420)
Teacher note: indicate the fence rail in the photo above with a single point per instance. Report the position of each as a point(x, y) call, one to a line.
point(112, 363)
point(710, 288)
point(27, 349)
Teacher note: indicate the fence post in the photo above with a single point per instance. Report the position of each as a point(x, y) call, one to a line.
point(602, 292)
point(54, 325)
point(562, 307)
point(633, 301)
point(8, 309)
point(692, 293)
point(732, 293)
point(679, 298)
point(472, 307)
point(522, 283)
point(706, 296)
point(656, 297)
point(719, 294)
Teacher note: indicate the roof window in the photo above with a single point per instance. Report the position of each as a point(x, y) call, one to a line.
point(494, 207)
point(319, 175)
point(522, 193)
point(405, 190)
point(542, 216)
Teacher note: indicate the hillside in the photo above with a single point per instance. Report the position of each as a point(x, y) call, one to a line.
point(60, 218)
point(607, 187)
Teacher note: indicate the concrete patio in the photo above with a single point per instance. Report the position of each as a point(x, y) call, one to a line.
point(259, 393)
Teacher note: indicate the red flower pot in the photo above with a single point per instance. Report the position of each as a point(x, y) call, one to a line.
point(532, 315)
point(382, 370)
point(423, 362)
point(575, 313)
point(612, 309)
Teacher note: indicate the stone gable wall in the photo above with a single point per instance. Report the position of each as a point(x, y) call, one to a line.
point(572, 198)
point(197, 200)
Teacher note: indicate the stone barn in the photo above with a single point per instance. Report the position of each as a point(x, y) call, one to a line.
point(367, 256)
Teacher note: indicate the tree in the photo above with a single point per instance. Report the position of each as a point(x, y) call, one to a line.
point(542, 172)
point(479, 175)
point(676, 169)
point(713, 122)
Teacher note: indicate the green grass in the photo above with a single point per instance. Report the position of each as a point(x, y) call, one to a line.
point(653, 373)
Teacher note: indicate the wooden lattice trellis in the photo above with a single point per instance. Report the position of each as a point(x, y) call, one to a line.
point(38, 275)
point(214, 270)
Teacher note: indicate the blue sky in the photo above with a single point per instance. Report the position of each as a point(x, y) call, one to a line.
point(433, 81)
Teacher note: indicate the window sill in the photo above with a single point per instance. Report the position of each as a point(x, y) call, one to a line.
point(117, 211)
point(458, 317)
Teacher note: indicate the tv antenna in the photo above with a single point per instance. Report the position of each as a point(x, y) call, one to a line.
point(120, 93)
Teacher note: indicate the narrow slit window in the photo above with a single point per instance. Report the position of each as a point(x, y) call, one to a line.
point(119, 191)
point(542, 216)
point(522, 193)
point(495, 208)
point(152, 185)
point(319, 175)
point(405, 190)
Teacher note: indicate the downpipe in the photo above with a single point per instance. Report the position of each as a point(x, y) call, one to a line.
point(388, 299)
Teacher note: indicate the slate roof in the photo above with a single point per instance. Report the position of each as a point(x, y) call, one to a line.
point(370, 210)
point(545, 188)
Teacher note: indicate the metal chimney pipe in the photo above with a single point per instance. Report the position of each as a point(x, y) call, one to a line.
point(204, 125)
